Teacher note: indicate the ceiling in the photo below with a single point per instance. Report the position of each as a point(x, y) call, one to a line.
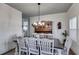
point(31, 9)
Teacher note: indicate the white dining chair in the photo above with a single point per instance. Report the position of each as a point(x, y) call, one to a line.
point(46, 46)
point(23, 46)
point(33, 46)
point(65, 50)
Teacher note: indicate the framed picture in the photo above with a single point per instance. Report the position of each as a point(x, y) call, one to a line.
point(59, 25)
point(46, 28)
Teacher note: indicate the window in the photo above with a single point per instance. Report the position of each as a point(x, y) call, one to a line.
point(73, 29)
point(25, 26)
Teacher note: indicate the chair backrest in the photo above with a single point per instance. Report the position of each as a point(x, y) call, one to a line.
point(33, 43)
point(68, 44)
point(26, 41)
point(21, 42)
point(46, 46)
point(35, 35)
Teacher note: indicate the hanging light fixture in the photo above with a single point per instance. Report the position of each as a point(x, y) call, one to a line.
point(39, 22)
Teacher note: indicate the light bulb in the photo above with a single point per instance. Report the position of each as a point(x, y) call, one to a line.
point(35, 23)
point(39, 23)
point(43, 23)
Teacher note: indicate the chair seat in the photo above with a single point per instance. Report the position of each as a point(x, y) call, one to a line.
point(46, 53)
point(59, 51)
point(34, 51)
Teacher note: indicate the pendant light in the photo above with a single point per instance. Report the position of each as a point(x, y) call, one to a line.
point(39, 22)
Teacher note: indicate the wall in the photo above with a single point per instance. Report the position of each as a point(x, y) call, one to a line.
point(72, 12)
point(55, 18)
point(10, 24)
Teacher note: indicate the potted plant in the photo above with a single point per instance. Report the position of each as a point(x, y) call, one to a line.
point(65, 34)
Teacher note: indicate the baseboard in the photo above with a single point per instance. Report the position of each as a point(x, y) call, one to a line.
point(8, 51)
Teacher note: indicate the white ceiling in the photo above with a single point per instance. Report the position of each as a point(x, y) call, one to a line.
point(31, 9)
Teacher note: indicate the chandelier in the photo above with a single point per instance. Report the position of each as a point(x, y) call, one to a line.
point(39, 22)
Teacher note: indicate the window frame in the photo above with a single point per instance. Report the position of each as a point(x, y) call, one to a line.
point(76, 27)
